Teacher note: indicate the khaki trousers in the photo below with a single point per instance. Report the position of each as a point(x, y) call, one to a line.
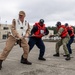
point(9, 45)
point(63, 42)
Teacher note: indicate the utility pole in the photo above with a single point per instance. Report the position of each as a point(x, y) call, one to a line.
point(6, 23)
point(0, 20)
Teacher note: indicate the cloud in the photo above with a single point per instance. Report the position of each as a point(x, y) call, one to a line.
point(50, 10)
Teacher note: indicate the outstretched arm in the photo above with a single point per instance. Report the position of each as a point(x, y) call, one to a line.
point(47, 32)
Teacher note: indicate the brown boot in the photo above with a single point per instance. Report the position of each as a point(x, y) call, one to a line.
point(68, 57)
point(56, 55)
point(1, 64)
point(25, 61)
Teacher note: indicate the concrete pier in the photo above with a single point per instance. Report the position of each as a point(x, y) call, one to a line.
point(52, 65)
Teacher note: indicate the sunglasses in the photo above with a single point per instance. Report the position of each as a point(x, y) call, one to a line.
point(20, 15)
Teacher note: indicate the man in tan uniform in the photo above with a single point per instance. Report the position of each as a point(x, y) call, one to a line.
point(19, 31)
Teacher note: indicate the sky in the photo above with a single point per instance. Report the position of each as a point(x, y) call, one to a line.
point(49, 10)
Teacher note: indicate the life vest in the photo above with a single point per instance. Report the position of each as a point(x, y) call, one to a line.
point(64, 33)
point(21, 28)
point(69, 28)
point(41, 30)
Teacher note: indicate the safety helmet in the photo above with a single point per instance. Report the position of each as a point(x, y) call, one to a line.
point(66, 24)
point(58, 23)
point(41, 21)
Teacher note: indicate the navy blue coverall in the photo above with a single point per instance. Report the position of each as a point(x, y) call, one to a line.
point(37, 41)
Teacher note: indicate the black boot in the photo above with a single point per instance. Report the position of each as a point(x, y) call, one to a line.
point(68, 57)
point(1, 64)
point(65, 55)
point(41, 58)
point(56, 55)
point(25, 61)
